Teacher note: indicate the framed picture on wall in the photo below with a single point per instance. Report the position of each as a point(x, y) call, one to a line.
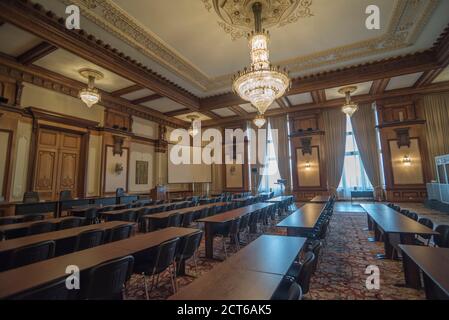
point(141, 172)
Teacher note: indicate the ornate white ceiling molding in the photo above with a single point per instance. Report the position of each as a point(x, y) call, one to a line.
point(407, 23)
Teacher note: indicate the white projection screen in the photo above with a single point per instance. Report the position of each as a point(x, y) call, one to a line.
point(188, 173)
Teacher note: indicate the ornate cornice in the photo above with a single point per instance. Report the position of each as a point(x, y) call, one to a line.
point(407, 23)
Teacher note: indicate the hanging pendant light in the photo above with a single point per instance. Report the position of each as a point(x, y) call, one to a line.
point(259, 121)
point(262, 83)
point(90, 95)
point(193, 130)
point(349, 107)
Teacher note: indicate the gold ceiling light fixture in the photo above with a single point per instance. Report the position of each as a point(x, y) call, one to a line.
point(90, 95)
point(349, 108)
point(259, 121)
point(193, 130)
point(261, 83)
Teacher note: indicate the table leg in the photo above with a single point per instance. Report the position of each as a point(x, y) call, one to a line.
point(411, 272)
point(209, 241)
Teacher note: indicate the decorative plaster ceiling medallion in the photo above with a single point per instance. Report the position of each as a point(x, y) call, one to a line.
point(238, 20)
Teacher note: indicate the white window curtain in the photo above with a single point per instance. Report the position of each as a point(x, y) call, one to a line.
point(270, 171)
point(354, 176)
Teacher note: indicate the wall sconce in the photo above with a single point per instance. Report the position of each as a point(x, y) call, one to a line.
point(308, 165)
point(407, 161)
point(118, 168)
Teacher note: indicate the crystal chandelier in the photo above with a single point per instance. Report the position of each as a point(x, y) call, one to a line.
point(259, 121)
point(262, 83)
point(90, 95)
point(193, 130)
point(349, 107)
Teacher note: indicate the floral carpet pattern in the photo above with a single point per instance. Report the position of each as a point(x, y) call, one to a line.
point(340, 274)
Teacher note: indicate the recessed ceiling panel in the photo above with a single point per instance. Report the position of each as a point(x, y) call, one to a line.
point(163, 105)
point(201, 117)
point(405, 81)
point(443, 76)
point(138, 94)
point(68, 64)
point(362, 88)
point(224, 112)
point(15, 41)
point(301, 98)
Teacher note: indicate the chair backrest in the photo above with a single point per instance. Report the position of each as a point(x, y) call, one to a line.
point(413, 215)
point(405, 211)
point(119, 192)
point(165, 255)
point(30, 197)
point(295, 292)
point(90, 213)
point(120, 232)
point(306, 271)
point(70, 223)
point(212, 211)
point(174, 220)
point(188, 245)
point(40, 227)
point(33, 217)
point(442, 240)
point(106, 281)
point(244, 222)
point(32, 254)
point(54, 291)
point(235, 226)
point(89, 239)
point(428, 223)
point(187, 218)
point(65, 195)
point(7, 221)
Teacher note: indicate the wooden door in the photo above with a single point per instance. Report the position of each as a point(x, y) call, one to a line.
point(57, 163)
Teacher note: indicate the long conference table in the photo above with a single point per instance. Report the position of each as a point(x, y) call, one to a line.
point(302, 220)
point(384, 220)
point(63, 238)
point(211, 222)
point(253, 273)
point(434, 264)
point(20, 280)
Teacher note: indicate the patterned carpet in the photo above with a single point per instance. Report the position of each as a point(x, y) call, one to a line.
point(341, 271)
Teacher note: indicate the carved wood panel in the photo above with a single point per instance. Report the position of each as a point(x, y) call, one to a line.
point(57, 163)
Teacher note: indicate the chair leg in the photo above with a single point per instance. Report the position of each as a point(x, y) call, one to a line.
point(147, 294)
point(224, 247)
point(195, 263)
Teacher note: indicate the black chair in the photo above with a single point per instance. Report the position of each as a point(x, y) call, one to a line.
point(70, 223)
point(174, 220)
point(65, 195)
point(188, 248)
point(243, 226)
point(120, 233)
point(33, 217)
point(405, 212)
point(30, 197)
point(187, 218)
point(6, 221)
point(119, 192)
point(222, 231)
point(40, 227)
point(154, 261)
point(91, 216)
point(288, 289)
point(32, 254)
point(413, 215)
point(234, 231)
point(303, 271)
point(54, 291)
point(442, 240)
point(315, 247)
point(107, 281)
point(89, 239)
point(429, 224)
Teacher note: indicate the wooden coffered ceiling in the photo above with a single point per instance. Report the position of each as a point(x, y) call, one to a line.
point(35, 43)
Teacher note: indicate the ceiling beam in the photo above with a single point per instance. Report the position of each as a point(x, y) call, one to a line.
point(147, 99)
point(37, 52)
point(428, 77)
point(378, 86)
point(318, 96)
point(122, 92)
point(281, 103)
point(54, 81)
point(239, 111)
point(177, 112)
point(289, 103)
point(366, 98)
point(46, 25)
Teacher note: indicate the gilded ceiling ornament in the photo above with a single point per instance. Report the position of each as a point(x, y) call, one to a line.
point(237, 18)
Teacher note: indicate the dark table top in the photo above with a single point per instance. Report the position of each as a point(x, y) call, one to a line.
point(37, 274)
point(165, 214)
point(254, 273)
point(25, 225)
point(118, 212)
point(305, 217)
point(391, 221)
point(12, 244)
point(279, 199)
point(320, 199)
point(432, 261)
point(232, 214)
point(80, 209)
